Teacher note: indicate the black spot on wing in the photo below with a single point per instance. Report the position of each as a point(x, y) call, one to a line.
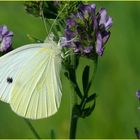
point(9, 80)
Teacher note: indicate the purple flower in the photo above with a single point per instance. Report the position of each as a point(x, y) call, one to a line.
point(88, 10)
point(138, 94)
point(78, 47)
point(88, 50)
point(71, 22)
point(104, 20)
point(99, 45)
point(69, 34)
point(104, 24)
point(5, 38)
point(90, 30)
point(105, 36)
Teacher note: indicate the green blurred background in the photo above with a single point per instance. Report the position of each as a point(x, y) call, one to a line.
point(117, 78)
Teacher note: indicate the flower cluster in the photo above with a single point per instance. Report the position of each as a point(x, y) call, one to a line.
point(86, 31)
point(138, 94)
point(5, 38)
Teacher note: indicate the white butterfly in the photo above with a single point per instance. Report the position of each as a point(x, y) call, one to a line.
point(30, 79)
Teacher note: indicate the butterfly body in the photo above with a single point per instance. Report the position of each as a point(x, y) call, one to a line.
point(35, 90)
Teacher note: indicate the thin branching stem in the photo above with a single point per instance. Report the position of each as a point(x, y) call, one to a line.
point(32, 128)
point(73, 125)
point(137, 133)
point(76, 110)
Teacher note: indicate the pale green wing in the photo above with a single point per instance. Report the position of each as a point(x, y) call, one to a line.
point(37, 90)
point(11, 64)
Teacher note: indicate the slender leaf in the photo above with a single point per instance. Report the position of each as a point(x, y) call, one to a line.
point(88, 87)
point(91, 98)
point(85, 79)
point(92, 108)
point(77, 90)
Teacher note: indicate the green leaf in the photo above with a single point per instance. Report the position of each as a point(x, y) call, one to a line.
point(85, 79)
point(71, 8)
point(88, 87)
point(78, 92)
point(91, 98)
point(87, 111)
point(33, 8)
point(49, 8)
point(76, 61)
point(71, 75)
point(92, 108)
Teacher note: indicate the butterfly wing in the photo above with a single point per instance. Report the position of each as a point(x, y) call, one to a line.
point(37, 90)
point(11, 64)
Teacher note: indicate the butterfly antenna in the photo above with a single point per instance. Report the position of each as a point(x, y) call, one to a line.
point(57, 18)
point(42, 15)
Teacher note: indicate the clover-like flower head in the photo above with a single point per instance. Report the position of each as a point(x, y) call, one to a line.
point(138, 94)
point(5, 38)
point(86, 31)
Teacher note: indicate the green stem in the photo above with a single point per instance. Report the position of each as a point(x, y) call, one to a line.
point(74, 120)
point(76, 110)
point(137, 133)
point(32, 129)
point(74, 116)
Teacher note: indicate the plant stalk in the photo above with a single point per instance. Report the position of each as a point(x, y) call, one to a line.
point(73, 125)
point(32, 129)
point(76, 110)
point(137, 133)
